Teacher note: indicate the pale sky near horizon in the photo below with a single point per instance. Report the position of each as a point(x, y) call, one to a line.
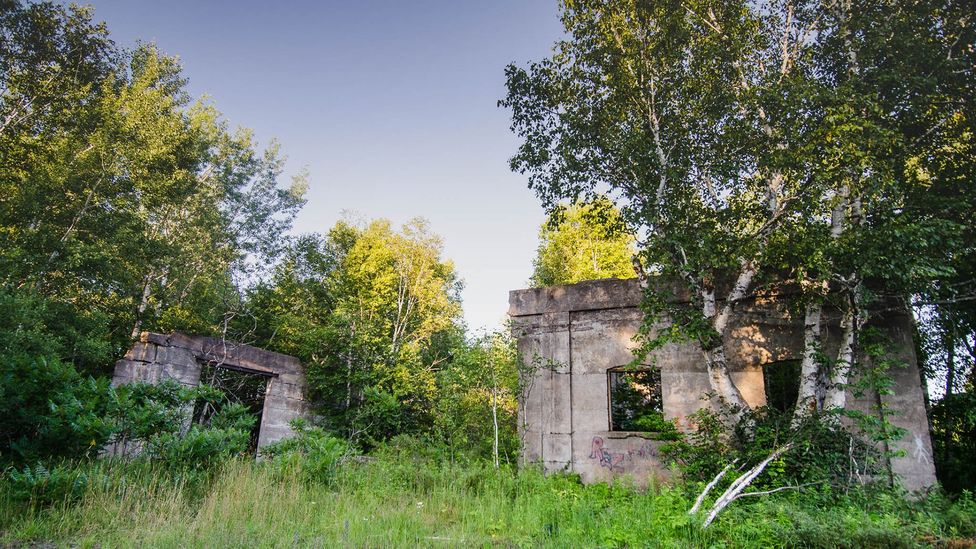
point(390, 105)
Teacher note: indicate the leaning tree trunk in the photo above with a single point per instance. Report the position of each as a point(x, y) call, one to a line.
point(716, 361)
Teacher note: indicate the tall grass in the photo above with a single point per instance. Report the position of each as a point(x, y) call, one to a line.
point(401, 499)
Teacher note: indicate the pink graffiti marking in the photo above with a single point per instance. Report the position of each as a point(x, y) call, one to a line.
point(607, 459)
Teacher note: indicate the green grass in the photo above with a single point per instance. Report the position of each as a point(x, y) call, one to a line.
point(400, 499)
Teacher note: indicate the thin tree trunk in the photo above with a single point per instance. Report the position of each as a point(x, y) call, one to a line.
point(950, 362)
point(734, 491)
point(716, 361)
point(494, 414)
point(806, 400)
point(143, 304)
point(352, 334)
point(836, 390)
point(721, 381)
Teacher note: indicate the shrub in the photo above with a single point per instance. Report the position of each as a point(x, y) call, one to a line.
point(312, 453)
point(49, 410)
point(43, 485)
point(823, 451)
point(199, 447)
point(954, 438)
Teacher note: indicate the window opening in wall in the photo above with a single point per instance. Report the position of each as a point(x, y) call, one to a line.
point(781, 381)
point(243, 387)
point(635, 399)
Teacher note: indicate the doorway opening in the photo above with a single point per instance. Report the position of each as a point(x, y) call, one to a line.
point(239, 386)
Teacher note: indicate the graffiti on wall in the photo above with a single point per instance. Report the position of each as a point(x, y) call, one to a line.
point(619, 461)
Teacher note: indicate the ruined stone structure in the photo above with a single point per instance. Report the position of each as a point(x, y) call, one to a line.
point(157, 357)
point(573, 337)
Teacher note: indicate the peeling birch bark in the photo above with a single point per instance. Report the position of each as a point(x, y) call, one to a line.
point(143, 305)
point(716, 361)
point(806, 399)
point(721, 381)
point(708, 488)
point(836, 394)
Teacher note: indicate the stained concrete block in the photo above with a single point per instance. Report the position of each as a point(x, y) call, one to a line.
point(603, 339)
point(142, 352)
point(684, 393)
point(588, 328)
point(177, 356)
point(530, 410)
point(609, 456)
point(186, 373)
point(752, 386)
point(286, 390)
point(531, 447)
point(590, 403)
point(560, 410)
point(288, 406)
point(557, 448)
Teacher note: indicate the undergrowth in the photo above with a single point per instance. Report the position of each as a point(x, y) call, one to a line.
point(404, 495)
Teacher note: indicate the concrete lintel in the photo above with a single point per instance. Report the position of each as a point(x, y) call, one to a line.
point(596, 294)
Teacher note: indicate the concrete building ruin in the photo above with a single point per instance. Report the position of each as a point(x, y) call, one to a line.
point(156, 357)
point(578, 338)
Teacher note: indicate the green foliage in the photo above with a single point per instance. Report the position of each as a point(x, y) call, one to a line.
point(827, 144)
point(371, 312)
point(122, 205)
point(199, 446)
point(584, 241)
point(658, 427)
point(49, 408)
point(154, 419)
point(954, 441)
point(407, 495)
point(478, 386)
point(41, 485)
point(312, 453)
point(824, 453)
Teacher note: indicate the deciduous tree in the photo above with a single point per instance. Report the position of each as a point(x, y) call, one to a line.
point(583, 242)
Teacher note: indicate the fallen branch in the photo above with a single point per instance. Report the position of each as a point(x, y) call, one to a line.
point(734, 491)
point(774, 490)
point(709, 486)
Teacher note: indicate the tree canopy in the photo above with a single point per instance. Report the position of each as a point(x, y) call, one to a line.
point(117, 194)
point(757, 143)
point(584, 241)
point(372, 312)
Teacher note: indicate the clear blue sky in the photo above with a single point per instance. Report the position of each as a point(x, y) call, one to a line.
point(390, 104)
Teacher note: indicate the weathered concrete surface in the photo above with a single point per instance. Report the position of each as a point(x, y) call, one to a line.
point(157, 357)
point(569, 336)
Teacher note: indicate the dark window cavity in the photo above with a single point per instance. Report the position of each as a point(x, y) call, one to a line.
point(781, 381)
point(635, 399)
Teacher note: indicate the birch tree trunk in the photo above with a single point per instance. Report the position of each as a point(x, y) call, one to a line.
point(806, 399)
point(836, 390)
point(143, 305)
point(494, 415)
point(716, 360)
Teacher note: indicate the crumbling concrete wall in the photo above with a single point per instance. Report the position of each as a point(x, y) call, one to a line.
point(569, 336)
point(157, 357)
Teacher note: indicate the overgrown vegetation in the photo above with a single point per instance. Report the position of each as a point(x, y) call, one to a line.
point(405, 495)
point(754, 143)
point(824, 147)
point(583, 241)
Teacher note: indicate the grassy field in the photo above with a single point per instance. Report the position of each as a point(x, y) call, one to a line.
point(401, 499)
